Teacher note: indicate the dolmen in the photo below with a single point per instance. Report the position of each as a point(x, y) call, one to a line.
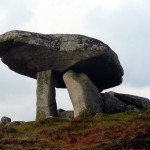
point(83, 65)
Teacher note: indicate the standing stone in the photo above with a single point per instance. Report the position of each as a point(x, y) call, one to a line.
point(84, 95)
point(46, 103)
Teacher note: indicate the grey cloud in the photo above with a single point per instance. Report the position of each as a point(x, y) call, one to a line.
point(16, 14)
point(17, 95)
point(18, 108)
point(63, 99)
point(126, 30)
point(13, 83)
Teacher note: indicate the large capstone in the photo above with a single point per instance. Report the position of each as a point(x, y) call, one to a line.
point(46, 103)
point(28, 53)
point(85, 97)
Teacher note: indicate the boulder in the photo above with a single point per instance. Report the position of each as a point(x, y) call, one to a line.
point(5, 120)
point(116, 102)
point(136, 101)
point(84, 95)
point(112, 104)
point(28, 53)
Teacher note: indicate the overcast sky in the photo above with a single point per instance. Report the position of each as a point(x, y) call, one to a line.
point(122, 24)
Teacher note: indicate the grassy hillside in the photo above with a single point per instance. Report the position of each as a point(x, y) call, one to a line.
point(127, 130)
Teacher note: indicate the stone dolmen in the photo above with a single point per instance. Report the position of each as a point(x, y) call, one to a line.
point(83, 65)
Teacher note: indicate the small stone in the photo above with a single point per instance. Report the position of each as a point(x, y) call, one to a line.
point(14, 123)
point(5, 120)
point(67, 114)
point(17, 122)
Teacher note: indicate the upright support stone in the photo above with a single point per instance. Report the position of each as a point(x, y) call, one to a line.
point(46, 103)
point(84, 95)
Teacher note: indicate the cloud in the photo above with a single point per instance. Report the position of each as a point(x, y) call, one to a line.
point(55, 16)
point(63, 99)
point(125, 29)
point(14, 83)
point(19, 108)
point(14, 14)
point(17, 95)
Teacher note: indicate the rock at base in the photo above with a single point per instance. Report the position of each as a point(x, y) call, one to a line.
point(65, 114)
point(112, 104)
point(15, 123)
point(116, 102)
point(46, 103)
point(83, 93)
point(138, 102)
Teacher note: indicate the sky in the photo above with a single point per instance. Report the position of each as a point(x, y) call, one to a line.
point(122, 24)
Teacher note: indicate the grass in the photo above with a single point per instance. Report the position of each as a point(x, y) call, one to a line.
point(126, 130)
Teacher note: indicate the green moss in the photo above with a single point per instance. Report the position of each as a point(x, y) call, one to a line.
point(51, 122)
point(147, 112)
point(86, 113)
point(12, 130)
point(124, 116)
point(26, 127)
point(1, 136)
point(80, 78)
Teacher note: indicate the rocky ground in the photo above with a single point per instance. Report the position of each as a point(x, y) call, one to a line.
point(128, 130)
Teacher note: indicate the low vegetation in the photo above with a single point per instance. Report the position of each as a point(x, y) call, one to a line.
point(127, 130)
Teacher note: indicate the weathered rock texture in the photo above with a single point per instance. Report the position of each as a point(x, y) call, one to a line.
point(95, 67)
point(85, 97)
point(28, 53)
point(5, 120)
point(116, 102)
point(112, 104)
point(65, 114)
point(136, 101)
point(46, 103)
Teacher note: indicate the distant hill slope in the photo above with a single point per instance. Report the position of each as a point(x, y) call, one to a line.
point(127, 130)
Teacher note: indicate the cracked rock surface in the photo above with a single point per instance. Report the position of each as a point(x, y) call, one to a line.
point(28, 53)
